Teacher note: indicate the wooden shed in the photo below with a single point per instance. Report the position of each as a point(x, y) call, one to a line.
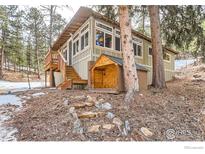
point(106, 75)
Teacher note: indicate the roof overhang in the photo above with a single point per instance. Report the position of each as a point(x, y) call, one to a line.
point(80, 17)
point(75, 23)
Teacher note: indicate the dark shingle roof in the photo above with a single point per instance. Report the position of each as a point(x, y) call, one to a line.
point(119, 61)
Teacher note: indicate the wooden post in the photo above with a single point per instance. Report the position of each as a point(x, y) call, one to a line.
point(90, 64)
point(51, 78)
point(45, 78)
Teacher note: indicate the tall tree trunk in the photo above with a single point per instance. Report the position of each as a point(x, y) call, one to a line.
point(51, 26)
point(130, 72)
point(143, 19)
point(36, 52)
point(158, 76)
point(1, 62)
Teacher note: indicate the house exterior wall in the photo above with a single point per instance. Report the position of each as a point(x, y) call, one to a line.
point(92, 52)
point(145, 60)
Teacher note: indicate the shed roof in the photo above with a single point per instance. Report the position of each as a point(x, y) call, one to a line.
point(80, 17)
point(119, 61)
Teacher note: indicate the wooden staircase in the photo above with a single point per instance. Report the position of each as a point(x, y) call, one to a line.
point(70, 76)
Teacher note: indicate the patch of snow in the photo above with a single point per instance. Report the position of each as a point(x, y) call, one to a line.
point(19, 86)
point(38, 94)
point(6, 133)
point(183, 63)
point(10, 99)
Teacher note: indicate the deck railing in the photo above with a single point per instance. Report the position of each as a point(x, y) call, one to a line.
point(51, 58)
point(62, 63)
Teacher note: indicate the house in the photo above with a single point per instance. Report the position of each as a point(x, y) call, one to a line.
point(86, 37)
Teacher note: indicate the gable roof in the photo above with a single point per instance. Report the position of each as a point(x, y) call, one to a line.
point(80, 17)
point(119, 61)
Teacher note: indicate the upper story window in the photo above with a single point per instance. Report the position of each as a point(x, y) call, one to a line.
point(137, 49)
point(103, 39)
point(150, 51)
point(103, 35)
point(117, 40)
point(166, 56)
point(103, 26)
point(84, 40)
point(117, 43)
point(75, 47)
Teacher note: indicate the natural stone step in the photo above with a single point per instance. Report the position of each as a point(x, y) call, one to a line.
point(82, 105)
point(94, 129)
point(90, 115)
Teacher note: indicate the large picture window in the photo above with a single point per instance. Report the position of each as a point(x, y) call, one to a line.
point(103, 39)
point(99, 38)
point(108, 40)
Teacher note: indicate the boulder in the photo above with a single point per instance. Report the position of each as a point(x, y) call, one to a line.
point(94, 129)
point(146, 131)
point(108, 126)
point(106, 106)
point(117, 121)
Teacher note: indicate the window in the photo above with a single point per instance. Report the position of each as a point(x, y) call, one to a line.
point(103, 26)
point(166, 56)
point(103, 39)
point(137, 49)
point(117, 43)
point(99, 38)
point(84, 40)
point(75, 47)
point(150, 50)
point(108, 40)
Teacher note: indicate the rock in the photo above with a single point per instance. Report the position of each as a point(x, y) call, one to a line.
point(94, 129)
point(141, 94)
point(89, 104)
point(146, 131)
point(117, 121)
point(98, 104)
point(66, 102)
point(90, 99)
point(196, 76)
point(79, 97)
point(78, 105)
point(90, 115)
point(127, 128)
point(77, 127)
point(203, 112)
point(73, 113)
point(108, 126)
point(110, 115)
point(106, 106)
point(101, 100)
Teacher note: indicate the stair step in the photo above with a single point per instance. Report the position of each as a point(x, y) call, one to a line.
point(82, 105)
point(89, 115)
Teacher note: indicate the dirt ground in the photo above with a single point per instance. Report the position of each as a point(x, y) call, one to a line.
point(19, 76)
point(173, 114)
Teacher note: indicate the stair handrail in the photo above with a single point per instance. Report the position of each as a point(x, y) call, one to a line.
point(62, 63)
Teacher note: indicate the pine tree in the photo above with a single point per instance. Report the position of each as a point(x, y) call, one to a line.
point(158, 75)
point(129, 67)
